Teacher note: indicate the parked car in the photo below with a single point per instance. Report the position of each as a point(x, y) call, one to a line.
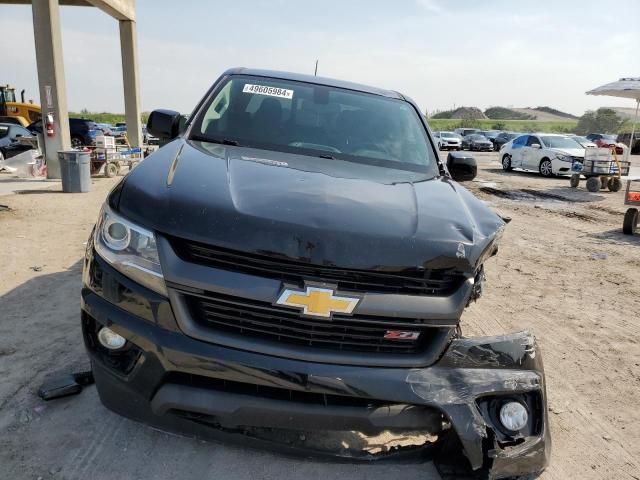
point(605, 140)
point(10, 144)
point(463, 132)
point(477, 142)
point(12, 120)
point(105, 128)
point(625, 138)
point(490, 134)
point(547, 153)
point(502, 138)
point(83, 132)
point(119, 133)
point(284, 260)
point(448, 141)
point(147, 138)
point(583, 141)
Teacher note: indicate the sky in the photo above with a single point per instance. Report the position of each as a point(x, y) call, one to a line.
point(440, 53)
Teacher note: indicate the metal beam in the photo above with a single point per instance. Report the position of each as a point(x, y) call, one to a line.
point(119, 9)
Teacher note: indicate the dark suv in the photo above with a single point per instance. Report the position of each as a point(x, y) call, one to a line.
point(83, 132)
point(297, 257)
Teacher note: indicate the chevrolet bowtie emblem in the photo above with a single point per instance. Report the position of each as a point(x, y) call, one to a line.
point(317, 301)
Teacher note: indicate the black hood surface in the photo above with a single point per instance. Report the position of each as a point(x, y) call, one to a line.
point(328, 212)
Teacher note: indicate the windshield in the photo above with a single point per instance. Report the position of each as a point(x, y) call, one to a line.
point(448, 135)
point(318, 121)
point(560, 142)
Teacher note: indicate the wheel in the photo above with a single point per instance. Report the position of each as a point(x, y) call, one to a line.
point(111, 170)
point(630, 224)
point(593, 184)
point(575, 180)
point(614, 184)
point(76, 142)
point(506, 163)
point(546, 168)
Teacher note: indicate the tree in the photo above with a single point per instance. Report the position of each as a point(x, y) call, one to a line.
point(603, 120)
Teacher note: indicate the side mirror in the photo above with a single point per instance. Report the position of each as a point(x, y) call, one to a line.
point(164, 124)
point(462, 167)
point(536, 145)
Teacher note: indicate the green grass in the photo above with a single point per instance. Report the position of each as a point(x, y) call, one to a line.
point(558, 126)
point(105, 117)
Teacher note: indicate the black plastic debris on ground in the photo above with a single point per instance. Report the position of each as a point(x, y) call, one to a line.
point(5, 208)
point(65, 385)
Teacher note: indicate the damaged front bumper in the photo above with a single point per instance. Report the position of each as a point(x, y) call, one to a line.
point(167, 379)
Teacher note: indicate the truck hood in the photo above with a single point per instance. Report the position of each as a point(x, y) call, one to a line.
point(328, 212)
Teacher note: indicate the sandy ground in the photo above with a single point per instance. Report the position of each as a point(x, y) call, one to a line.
point(564, 271)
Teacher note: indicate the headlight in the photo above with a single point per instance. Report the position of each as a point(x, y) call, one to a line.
point(130, 249)
point(563, 158)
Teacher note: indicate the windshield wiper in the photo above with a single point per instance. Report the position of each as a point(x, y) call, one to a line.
point(327, 156)
point(221, 141)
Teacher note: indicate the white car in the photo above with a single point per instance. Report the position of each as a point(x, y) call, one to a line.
point(448, 141)
point(547, 153)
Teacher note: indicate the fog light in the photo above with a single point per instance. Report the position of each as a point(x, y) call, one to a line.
point(514, 416)
point(110, 339)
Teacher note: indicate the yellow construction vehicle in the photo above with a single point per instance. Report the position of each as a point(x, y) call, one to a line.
point(12, 111)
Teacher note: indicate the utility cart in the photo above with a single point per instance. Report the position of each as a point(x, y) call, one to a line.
point(631, 197)
point(109, 158)
point(602, 168)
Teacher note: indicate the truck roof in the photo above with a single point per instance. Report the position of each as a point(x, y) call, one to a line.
point(329, 82)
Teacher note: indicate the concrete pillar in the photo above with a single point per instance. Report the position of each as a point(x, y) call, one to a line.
point(130, 80)
point(53, 94)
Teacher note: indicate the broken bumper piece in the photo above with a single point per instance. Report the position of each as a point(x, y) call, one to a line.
point(167, 379)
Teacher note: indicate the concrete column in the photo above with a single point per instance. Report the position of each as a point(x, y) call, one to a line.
point(53, 94)
point(130, 80)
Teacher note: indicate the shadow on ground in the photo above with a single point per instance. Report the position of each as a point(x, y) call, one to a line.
point(616, 236)
point(77, 438)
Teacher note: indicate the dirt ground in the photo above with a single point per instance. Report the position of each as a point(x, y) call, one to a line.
point(564, 271)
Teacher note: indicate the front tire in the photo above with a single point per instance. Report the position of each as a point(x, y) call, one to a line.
point(630, 224)
point(506, 163)
point(110, 170)
point(546, 168)
point(76, 142)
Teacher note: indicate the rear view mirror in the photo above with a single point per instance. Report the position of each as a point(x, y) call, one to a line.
point(462, 167)
point(165, 124)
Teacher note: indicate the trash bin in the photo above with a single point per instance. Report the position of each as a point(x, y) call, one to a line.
point(75, 170)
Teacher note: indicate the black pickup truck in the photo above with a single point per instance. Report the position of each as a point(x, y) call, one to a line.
point(297, 257)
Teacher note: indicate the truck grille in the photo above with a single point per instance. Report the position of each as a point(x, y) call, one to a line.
point(438, 282)
point(261, 320)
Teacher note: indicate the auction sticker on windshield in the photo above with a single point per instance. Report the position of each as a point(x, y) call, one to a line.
point(271, 91)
